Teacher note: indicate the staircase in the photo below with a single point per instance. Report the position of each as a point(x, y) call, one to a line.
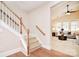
point(33, 44)
point(12, 22)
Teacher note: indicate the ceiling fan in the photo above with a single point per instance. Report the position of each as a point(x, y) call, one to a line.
point(68, 12)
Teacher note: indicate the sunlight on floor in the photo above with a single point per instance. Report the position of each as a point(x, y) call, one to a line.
point(68, 46)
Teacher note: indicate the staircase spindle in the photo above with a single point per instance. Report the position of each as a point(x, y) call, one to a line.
point(21, 25)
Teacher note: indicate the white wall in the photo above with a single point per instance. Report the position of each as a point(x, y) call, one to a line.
point(42, 18)
point(8, 40)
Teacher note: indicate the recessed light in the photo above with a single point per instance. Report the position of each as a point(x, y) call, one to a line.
point(68, 13)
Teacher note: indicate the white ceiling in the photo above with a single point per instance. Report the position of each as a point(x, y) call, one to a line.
point(60, 9)
point(26, 6)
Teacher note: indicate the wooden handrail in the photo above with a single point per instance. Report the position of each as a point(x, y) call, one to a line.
point(20, 19)
point(22, 25)
point(10, 10)
point(40, 30)
point(28, 32)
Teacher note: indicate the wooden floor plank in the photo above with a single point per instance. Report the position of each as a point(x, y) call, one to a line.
point(18, 54)
point(41, 52)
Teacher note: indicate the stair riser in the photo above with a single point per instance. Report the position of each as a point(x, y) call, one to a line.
point(31, 50)
point(34, 44)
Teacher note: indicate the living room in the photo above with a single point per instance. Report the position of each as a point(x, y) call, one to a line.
point(65, 18)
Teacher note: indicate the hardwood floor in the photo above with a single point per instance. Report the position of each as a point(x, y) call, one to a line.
point(18, 54)
point(41, 52)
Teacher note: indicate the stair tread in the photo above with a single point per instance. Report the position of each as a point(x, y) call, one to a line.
point(33, 42)
point(33, 49)
point(32, 38)
point(35, 46)
point(32, 46)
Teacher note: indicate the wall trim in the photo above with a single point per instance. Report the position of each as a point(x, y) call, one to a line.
point(7, 53)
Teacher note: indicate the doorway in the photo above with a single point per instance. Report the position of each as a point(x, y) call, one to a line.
point(67, 25)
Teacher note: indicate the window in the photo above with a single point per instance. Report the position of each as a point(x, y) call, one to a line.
point(74, 25)
point(66, 26)
point(58, 26)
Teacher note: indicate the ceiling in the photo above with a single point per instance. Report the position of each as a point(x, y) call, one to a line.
point(26, 6)
point(60, 9)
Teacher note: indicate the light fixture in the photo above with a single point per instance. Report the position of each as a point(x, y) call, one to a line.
point(53, 28)
point(67, 13)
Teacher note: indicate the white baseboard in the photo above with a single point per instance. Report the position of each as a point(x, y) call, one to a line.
point(46, 47)
point(7, 53)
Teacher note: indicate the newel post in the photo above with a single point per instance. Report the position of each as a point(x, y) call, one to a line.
point(28, 32)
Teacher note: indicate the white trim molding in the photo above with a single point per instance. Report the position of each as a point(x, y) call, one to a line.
point(7, 53)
